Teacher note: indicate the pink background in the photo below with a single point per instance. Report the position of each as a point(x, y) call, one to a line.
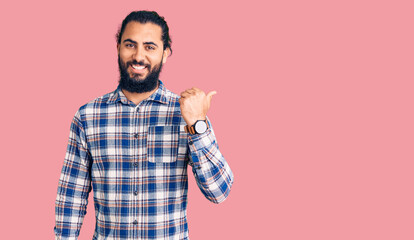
point(314, 111)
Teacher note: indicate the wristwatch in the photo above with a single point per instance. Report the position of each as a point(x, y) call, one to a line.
point(199, 127)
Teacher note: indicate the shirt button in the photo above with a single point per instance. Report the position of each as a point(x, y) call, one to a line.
point(135, 222)
point(135, 192)
point(190, 142)
point(135, 164)
point(136, 135)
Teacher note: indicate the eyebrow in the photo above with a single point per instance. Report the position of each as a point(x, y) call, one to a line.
point(134, 42)
point(129, 40)
point(151, 43)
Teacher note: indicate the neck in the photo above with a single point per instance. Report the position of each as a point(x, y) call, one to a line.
point(138, 97)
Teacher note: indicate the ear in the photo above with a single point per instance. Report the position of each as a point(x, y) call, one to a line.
point(165, 55)
point(117, 47)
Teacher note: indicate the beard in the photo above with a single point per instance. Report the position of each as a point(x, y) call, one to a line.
point(134, 83)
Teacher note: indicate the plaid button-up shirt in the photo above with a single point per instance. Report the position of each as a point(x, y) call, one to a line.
point(135, 158)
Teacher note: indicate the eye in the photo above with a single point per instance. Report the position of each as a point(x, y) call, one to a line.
point(129, 45)
point(149, 47)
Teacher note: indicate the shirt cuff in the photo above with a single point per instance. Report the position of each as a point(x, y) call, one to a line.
point(197, 142)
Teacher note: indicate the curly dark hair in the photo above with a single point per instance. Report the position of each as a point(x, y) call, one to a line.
point(144, 17)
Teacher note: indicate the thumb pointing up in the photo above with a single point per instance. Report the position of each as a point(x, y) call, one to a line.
point(210, 96)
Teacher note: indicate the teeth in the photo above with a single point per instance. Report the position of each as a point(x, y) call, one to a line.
point(138, 67)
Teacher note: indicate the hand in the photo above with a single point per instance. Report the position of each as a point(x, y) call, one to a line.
point(194, 104)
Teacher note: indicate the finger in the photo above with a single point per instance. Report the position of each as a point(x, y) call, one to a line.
point(189, 91)
point(185, 94)
point(210, 95)
point(196, 89)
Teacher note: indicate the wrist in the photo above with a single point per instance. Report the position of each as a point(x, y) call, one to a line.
point(192, 121)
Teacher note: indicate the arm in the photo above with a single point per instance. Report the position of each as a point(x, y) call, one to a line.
point(212, 173)
point(74, 185)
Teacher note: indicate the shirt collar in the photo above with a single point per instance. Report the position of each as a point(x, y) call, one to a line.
point(160, 95)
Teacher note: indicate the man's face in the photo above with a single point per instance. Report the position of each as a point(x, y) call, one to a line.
point(140, 56)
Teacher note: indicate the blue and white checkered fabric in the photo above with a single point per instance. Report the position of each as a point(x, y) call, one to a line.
point(135, 159)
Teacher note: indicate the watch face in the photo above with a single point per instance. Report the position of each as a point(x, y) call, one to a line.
point(200, 127)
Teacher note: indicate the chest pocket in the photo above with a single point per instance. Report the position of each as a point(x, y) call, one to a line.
point(162, 143)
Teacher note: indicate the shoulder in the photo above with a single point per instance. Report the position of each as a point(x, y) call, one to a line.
point(94, 106)
point(173, 102)
point(171, 97)
point(168, 97)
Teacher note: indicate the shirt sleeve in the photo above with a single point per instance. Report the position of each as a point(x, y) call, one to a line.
point(212, 173)
point(74, 185)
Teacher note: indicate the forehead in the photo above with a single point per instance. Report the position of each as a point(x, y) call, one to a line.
point(142, 32)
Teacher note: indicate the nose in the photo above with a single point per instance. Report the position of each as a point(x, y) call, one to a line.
point(139, 54)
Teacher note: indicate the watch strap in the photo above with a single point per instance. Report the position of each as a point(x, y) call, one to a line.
point(189, 129)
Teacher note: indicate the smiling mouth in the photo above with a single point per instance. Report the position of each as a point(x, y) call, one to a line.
point(138, 69)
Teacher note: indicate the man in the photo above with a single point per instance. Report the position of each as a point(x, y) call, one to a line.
point(132, 146)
